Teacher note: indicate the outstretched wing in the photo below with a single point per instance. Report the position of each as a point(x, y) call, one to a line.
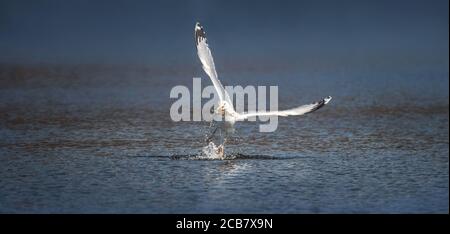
point(204, 53)
point(301, 110)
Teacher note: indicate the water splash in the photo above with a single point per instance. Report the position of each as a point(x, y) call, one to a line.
point(211, 151)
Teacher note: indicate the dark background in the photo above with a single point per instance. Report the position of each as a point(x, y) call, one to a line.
point(161, 32)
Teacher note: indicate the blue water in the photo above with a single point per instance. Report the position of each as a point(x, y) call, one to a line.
point(84, 139)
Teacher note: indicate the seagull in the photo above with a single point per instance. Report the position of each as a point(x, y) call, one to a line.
point(225, 107)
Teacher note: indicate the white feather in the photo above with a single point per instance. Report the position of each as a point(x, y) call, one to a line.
point(205, 56)
point(204, 53)
point(301, 110)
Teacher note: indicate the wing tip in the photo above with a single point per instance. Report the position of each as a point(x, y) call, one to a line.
point(199, 33)
point(198, 26)
point(320, 104)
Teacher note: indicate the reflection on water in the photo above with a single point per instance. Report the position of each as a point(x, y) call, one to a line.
point(101, 140)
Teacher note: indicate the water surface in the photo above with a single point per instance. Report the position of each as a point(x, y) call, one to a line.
point(83, 139)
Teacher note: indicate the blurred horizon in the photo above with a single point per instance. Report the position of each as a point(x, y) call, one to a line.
point(161, 32)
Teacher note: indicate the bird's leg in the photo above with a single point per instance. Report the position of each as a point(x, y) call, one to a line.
point(221, 150)
point(208, 139)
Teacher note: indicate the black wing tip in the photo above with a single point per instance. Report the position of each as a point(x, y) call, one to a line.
point(199, 33)
point(321, 103)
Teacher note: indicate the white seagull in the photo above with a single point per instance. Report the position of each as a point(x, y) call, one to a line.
point(226, 105)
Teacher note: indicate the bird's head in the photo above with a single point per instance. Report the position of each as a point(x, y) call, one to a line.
point(223, 107)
